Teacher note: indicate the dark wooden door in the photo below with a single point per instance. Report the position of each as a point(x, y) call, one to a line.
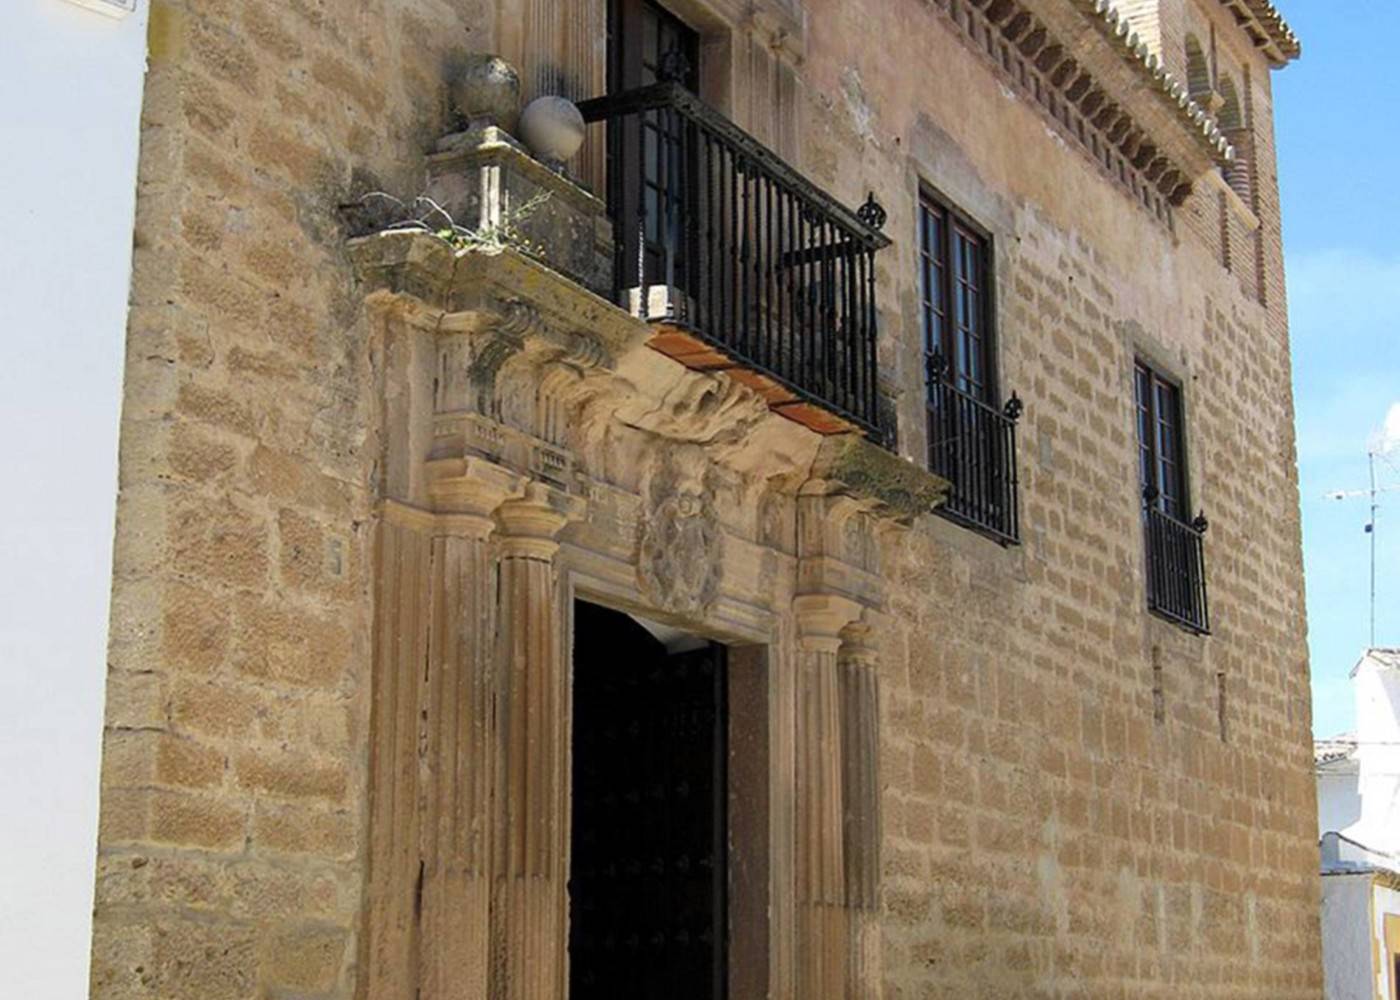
point(651, 192)
point(648, 871)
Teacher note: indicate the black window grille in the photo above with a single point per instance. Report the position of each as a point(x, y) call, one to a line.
point(971, 439)
point(1176, 573)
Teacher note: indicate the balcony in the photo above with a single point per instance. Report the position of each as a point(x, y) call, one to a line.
point(740, 263)
point(1176, 569)
point(972, 445)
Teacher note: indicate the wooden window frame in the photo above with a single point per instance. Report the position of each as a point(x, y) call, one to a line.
point(1174, 567)
point(971, 436)
point(1151, 476)
point(954, 221)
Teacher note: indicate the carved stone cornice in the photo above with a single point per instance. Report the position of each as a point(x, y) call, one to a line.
point(500, 292)
point(500, 317)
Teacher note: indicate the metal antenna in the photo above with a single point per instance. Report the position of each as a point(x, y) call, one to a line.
point(1373, 494)
point(1371, 530)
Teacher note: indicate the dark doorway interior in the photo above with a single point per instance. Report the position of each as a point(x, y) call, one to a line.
point(647, 900)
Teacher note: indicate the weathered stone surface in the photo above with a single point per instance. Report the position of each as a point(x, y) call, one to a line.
point(485, 181)
point(317, 436)
point(872, 474)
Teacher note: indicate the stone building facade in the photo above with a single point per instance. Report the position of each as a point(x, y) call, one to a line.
point(979, 732)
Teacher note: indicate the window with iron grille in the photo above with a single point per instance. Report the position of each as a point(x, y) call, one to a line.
point(971, 439)
point(1176, 581)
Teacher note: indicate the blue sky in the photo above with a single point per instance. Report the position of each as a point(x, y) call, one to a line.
point(1339, 162)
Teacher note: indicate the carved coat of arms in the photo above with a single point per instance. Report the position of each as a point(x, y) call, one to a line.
point(679, 554)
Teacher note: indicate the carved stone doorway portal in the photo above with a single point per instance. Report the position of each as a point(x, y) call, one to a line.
point(648, 875)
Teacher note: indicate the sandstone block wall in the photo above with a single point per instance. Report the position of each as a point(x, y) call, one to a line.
point(1063, 812)
point(234, 775)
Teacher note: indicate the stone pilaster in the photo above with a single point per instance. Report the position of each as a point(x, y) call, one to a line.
point(455, 775)
point(456, 784)
point(431, 737)
point(430, 728)
point(392, 926)
point(531, 744)
point(860, 783)
point(822, 947)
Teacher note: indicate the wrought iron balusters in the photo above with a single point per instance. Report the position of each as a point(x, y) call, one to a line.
point(972, 444)
point(1176, 568)
point(751, 256)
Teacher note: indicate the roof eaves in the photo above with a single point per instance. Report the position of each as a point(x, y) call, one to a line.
point(1165, 87)
point(1272, 34)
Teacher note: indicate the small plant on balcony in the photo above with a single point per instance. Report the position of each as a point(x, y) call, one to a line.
point(381, 212)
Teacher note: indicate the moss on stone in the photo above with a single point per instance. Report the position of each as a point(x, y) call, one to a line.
point(869, 471)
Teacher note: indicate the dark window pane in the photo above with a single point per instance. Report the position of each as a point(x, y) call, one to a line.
point(1158, 405)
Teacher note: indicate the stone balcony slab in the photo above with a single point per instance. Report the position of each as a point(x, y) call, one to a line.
point(512, 305)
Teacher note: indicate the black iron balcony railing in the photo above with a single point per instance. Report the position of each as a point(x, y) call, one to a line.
point(717, 234)
point(1176, 568)
point(973, 445)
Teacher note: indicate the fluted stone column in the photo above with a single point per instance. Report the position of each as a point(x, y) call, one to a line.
point(821, 951)
point(392, 930)
point(430, 783)
point(529, 821)
point(455, 756)
point(860, 782)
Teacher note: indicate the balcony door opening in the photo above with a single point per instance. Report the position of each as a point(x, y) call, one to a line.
point(648, 908)
point(741, 261)
point(650, 191)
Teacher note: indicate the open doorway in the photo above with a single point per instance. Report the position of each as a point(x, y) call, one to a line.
point(648, 908)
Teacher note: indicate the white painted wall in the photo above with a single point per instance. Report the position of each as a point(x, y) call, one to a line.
point(1346, 937)
point(1377, 688)
point(1338, 797)
point(71, 80)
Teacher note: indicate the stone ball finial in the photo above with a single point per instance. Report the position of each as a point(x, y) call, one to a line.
point(554, 130)
point(487, 92)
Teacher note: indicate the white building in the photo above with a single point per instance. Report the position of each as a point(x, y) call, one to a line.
point(1358, 808)
point(72, 73)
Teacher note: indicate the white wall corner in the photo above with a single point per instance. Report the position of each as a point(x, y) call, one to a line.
point(112, 8)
